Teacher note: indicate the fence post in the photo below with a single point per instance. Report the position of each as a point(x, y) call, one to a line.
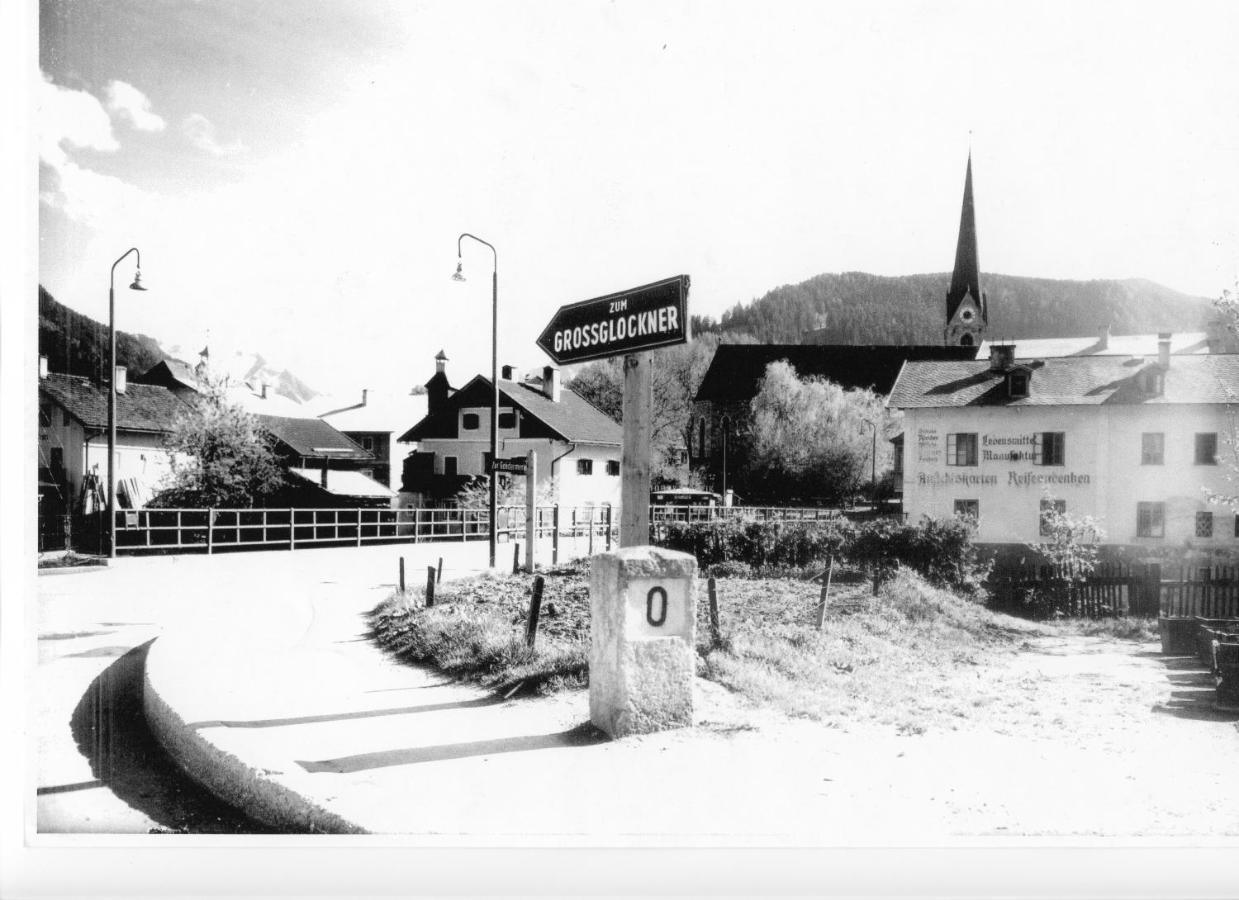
point(210, 531)
point(821, 603)
point(516, 558)
point(714, 632)
point(402, 576)
point(359, 526)
point(535, 609)
point(591, 531)
point(608, 520)
point(292, 528)
point(555, 535)
point(439, 571)
point(430, 585)
point(1151, 590)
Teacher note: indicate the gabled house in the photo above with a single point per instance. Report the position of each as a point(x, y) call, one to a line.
point(374, 423)
point(577, 446)
point(317, 454)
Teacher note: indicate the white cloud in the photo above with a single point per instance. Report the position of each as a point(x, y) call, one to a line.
point(127, 102)
point(71, 117)
point(201, 133)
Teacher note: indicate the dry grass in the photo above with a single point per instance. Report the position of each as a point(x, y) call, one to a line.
point(1123, 628)
point(904, 657)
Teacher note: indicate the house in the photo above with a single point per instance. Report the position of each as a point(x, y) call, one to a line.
point(329, 468)
point(576, 445)
point(73, 443)
point(1133, 441)
point(373, 424)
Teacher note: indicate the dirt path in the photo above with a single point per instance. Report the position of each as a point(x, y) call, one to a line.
point(1072, 736)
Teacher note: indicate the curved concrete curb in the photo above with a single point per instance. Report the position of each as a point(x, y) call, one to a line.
point(251, 790)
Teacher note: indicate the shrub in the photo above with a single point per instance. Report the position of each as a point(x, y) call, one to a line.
point(941, 550)
point(758, 543)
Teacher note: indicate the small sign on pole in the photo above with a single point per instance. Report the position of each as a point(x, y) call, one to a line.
point(514, 466)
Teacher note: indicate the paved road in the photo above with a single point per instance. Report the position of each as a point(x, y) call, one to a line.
point(99, 769)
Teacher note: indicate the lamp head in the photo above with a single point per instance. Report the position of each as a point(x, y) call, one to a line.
point(460, 275)
point(137, 281)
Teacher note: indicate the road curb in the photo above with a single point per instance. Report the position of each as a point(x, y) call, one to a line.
point(251, 790)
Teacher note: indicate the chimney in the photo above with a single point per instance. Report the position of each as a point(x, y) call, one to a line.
point(1001, 357)
point(550, 382)
point(437, 388)
point(42, 366)
point(264, 390)
point(1163, 349)
point(365, 392)
point(506, 373)
point(323, 479)
point(441, 362)
point(1103, 337)
point(122, 379)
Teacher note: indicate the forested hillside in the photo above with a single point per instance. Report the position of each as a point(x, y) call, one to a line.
point(858, 308)
point(78, 345)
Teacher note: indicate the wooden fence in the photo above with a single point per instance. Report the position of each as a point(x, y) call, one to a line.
point(1119, 589)
point(213, 530)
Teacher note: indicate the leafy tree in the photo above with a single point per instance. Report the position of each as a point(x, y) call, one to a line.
point(811, 438)
point(476, 494)
point(221, 455)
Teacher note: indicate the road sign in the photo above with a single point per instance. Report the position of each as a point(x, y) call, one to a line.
point(643, 318)
point(517, 465)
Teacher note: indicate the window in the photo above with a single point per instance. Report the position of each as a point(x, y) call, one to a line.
point(967, 509)
point(449, 465)
point(961, 449)
point(1017, 384)
point(507, 419)
point(1053, 448)
point(369, 473)
point(585, 467)
point(66, 420)
point(1204, 524)
point(1058, 506)
point(1152, 448)
point(1206, 448)
point(367, 443)
point(1151, 520)
point(470, 421)
point(612, 466)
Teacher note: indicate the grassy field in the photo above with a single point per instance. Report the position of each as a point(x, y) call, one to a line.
point(905, 657)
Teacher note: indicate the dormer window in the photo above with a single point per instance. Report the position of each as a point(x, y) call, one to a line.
point(1019, 382)
point(1153, 381)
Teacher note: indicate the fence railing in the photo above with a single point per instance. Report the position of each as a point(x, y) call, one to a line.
point(1210, 592)
point(213, 530)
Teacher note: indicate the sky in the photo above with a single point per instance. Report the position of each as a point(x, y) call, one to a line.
point(296, 175)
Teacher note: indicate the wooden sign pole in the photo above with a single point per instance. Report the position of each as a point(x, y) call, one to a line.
point(635, 459)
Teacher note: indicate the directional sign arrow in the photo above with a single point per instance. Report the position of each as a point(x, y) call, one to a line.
point(643, 318)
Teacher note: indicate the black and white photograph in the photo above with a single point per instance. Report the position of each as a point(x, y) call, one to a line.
point(647, 433)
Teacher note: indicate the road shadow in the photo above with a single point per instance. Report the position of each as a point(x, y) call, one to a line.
point(345, 716)
point(110, 730)
point(1194, 694)
point(581, 736)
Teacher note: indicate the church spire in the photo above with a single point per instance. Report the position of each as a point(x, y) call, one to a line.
point(966, 279)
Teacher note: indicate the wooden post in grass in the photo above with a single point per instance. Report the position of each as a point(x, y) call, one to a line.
point(430, 585)
point(402, 576)
point(821, 604)
point(516, 558)
point(714, 632)
point(535, 608)
point(607, 516)
point(439, 572)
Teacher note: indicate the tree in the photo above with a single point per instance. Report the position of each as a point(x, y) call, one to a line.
point(221, 455)
point(811, 438)
point(676, 374)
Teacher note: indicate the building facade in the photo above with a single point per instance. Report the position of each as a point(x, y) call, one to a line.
point(1137, 443)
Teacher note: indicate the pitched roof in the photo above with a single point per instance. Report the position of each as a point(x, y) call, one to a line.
point(1114, 345)
point(171, 371)
point(345, 483)
point(312, 437)
point(142, 407)
point(381, 412)
point(737, 368)
point(1068, 381)
point(571, 418)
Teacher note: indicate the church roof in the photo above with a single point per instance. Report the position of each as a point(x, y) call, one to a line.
point(966, 279)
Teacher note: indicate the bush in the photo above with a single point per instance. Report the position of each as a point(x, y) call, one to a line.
point(758, 544)
point(941, 550)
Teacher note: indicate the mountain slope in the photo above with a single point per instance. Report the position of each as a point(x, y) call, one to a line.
point(858, 308)
point(78, 345)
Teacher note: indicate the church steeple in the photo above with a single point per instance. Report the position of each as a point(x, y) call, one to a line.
point(967, 311)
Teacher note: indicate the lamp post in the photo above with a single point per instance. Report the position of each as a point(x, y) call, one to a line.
point(873, 469)
point(136, 286)
point(494, 383)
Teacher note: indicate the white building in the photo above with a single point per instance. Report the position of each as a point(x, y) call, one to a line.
point(1133, 441)
point(576, 445)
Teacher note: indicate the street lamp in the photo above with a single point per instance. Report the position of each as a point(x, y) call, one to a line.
point(494, 382)
point(136, 286)
point(873, 469)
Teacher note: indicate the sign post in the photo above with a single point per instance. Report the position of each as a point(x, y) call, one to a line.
point(635, 454)
point(531, 509)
